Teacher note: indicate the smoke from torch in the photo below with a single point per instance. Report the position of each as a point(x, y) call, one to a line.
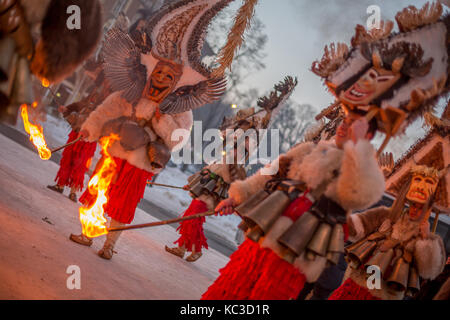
point(92, 219)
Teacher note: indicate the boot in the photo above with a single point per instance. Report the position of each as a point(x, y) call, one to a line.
point(56, 188)
point(73, 197)
point(178, 251)
point(194, 256)
point(111, 238)
point(81, 239)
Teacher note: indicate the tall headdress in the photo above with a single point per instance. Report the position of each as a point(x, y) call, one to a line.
point(175, 35)
point(430, 156)
point(269, 106)
point(414, 60)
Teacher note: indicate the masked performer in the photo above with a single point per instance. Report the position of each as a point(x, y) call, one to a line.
point(398, 241)
point(157, 90)
point(76, 158)
point(339, 175)
point(209, 186)
point(387, 79)
point(35, 36)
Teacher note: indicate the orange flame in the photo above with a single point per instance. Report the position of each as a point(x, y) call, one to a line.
point(36, 135)
point(45, 83)
point(92, 219)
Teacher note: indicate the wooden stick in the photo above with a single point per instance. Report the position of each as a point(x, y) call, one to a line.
point(435, 222)
point(164, 185)
point(161, 223)
point(66, 145)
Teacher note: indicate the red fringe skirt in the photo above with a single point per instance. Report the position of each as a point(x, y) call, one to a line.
point(191, 231)
point(255, 273)
point(124, 194)
point(350, 290)
point(75, 162)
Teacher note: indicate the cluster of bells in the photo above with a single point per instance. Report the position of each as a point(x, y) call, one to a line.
point(311, 234)
point(399, 274)
point(209, 183)
point(16, 50)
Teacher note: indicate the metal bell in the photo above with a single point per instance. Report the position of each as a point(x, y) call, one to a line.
point(158, 154)
point(336, 245)
point(22, 91)
point(297, 237)
point(382, 260)
point(267, 212)
point(7, 85)
point(333, 258)
point(210, 186)
point(413, 282)
point(359, 255)
point(7, 48)
point(255, 233)
point(18, 29)
point(196, 189)
point(354, 245)
point(243, 226)
point(320, 240)
point(398, 279)
point(244, 208)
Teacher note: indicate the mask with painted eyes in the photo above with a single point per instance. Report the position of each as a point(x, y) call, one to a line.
point(372, 84)
point(421, 188)
point(162, 81)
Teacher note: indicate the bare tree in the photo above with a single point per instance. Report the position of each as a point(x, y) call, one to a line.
point(248, 60)
point(292, 122)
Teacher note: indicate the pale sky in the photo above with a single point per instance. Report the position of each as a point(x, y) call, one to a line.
point(297, 32)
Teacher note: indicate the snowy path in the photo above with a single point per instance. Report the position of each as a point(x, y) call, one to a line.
point(34, 254)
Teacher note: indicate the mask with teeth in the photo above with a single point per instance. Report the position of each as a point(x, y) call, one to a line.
point(371, 85)
point(162, 81)
point(422, 188)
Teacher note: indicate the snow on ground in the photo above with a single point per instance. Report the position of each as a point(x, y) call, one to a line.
point(178, 200)
point(35, 251)
point(56, 132)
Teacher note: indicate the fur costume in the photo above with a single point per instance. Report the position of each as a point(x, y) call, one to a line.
point(359, 184)
point(35, 38)
point(155, 86)
point(428, 254)
point(191, 231)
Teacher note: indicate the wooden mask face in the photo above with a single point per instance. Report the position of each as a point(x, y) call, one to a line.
point(420, 191)
point(372, 84)
point(162, 81)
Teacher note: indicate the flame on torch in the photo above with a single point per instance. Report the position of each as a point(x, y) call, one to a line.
point(92, 219)
point(36, 135)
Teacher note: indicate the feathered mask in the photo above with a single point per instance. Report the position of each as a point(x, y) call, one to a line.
point(395, 76)
point(164, 65)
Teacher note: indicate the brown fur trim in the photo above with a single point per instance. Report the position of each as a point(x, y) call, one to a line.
point(61, 50)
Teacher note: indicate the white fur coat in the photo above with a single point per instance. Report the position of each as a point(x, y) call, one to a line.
point(360, 183)
point(115, 107)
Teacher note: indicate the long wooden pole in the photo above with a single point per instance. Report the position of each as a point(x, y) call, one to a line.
point(164, 185)
point(66, 145)
point(161, 223)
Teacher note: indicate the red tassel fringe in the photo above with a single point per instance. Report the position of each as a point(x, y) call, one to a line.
point(238, 277)
point(350, 290)
point(125, 194)
point(279, 280)
point(191, 231)
point(74, 162)
point(255, 273)
point(297, 208)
